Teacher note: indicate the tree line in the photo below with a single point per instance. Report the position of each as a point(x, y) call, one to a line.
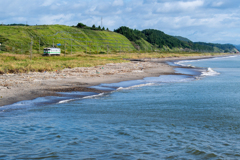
point(160, 39)
point(83, 26)
point(14, 24)
point(154, 37)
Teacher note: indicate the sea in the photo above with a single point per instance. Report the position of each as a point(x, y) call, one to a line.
point(191, 116)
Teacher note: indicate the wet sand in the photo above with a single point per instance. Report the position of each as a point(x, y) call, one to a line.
point(19, 87)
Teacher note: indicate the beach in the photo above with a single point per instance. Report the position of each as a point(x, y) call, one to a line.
point(190, 111)
point(28, 86)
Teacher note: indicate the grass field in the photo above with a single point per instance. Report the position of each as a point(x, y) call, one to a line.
point(18, 63)
point(17, 39)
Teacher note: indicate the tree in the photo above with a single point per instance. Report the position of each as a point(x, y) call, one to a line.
point(93, 26)
point(99, 27)
point(103, 29)
point(81, 25)
point(107, 29)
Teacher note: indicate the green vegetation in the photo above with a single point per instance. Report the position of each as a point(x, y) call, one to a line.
point(131, 34)
point(163, 42)
point(208, 47)
point(14, 24)
point(158, 40)
point(222, 47)
point(161, 39)
point(85, 46)
point(137, 38)
point(19, 63)
point(83, 26)
point(17, 39)
point(182, 39)
point(81, 38)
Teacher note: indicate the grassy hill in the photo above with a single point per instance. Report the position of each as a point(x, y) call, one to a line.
point(17, 39)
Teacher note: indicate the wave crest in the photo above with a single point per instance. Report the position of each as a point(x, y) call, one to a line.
point(209, 72)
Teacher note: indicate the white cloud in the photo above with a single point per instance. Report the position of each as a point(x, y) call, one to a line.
point(190, 4)
point(179, 6)
point(128, 9)
point(217, 4)
point(55, 19)
point(118, 3)
point(48, 3)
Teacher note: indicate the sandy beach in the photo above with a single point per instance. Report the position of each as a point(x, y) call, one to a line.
point(19, 87)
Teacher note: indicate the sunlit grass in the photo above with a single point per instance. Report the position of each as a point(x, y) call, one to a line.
point(18, 63)
point(17, 39)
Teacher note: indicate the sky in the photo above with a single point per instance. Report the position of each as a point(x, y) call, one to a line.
point(215, 21)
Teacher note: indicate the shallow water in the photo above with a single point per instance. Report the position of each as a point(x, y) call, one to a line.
point(166, 117)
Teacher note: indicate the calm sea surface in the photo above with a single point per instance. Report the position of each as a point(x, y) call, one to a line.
point(166, 117)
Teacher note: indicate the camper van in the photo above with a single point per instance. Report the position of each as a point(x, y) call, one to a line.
point(51, 51)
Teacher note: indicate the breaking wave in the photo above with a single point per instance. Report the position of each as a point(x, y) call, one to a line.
point(204, 71)
point(209, 72)
point(136, 86)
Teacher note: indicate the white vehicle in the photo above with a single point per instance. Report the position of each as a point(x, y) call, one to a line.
point(51, 51)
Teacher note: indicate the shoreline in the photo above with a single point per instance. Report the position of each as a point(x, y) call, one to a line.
point(20, 87)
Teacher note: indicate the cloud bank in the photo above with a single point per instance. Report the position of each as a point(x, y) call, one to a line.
point(199, 20)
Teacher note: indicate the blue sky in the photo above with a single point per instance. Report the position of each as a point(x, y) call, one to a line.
point(215, 21)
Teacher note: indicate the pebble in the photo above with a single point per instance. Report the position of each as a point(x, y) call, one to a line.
point(79, 72)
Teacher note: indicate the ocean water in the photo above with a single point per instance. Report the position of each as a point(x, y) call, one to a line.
point(192, 116)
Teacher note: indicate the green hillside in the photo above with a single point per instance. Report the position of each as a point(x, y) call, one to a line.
point(182, 38)
point(162, 42)
point(217, 47)
point(206, 47)
point(17, 39)
point(137, 38)
point(157, 40)
point(161, 39)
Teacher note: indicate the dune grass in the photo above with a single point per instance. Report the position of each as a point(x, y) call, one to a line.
point(19, 63)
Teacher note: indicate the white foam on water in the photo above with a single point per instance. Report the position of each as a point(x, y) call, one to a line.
point(209, 72)
point(168, 79)
point(86, 97)
point(181, 63)
point(76, 93)
point(93, 96)
point(35, 101)
point(66, 101)
point(136, 86)
point(124, 84)
point(225, 57)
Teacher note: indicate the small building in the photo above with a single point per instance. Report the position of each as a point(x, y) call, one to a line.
point(51, 51)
